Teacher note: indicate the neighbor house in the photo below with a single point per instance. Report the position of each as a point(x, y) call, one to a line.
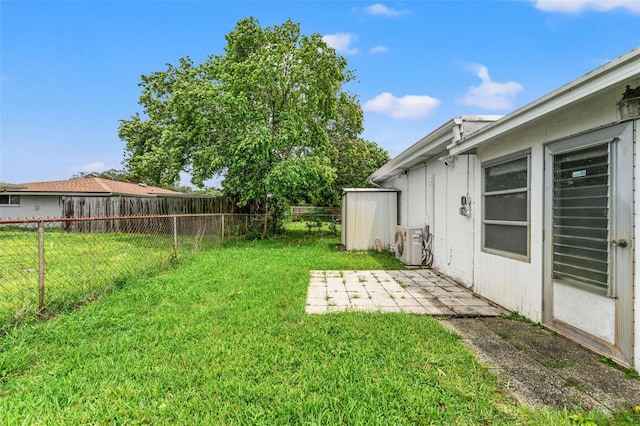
point(44, 199)
point(536, 210)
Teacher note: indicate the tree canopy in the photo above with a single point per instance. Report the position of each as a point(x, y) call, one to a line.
point(271, 116)
point(111, 174)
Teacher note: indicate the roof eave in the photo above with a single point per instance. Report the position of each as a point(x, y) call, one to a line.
point(429, 147)
point(620, 70)
point(94, 194)
point(421, 151)
point(60, 193)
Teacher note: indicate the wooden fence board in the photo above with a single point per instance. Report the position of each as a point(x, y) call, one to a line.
point(76, 207)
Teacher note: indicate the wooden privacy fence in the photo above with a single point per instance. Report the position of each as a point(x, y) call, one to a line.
point(127, 207)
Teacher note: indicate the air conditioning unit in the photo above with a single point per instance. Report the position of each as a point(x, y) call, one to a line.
point(408, 245)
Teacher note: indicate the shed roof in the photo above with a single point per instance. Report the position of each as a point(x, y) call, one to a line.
point(369, 190)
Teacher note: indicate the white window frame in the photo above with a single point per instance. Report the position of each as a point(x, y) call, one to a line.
point(11, 198)
point(524, 224)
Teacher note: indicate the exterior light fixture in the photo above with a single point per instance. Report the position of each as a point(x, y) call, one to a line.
point(629, 105)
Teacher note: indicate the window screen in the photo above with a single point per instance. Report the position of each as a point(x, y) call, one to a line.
point(580, 217)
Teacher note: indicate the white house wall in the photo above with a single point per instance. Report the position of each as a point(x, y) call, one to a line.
point(34, 206)
point(416, 197)
point(636, 361)
point(453, 233)
point(582, 107)
point(514, 284)
point(400, 182)
point(430, 195)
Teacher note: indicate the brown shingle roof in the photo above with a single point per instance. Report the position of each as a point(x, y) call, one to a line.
point(96, 186)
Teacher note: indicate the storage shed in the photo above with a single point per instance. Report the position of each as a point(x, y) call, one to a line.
point(368, 214)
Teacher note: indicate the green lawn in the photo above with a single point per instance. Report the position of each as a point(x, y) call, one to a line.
point(79, 266)
point(223, 339)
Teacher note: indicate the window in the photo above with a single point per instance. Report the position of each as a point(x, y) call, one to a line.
point(505, 216)
point(9, 200)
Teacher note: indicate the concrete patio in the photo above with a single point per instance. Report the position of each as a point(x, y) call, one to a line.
point(416, 291)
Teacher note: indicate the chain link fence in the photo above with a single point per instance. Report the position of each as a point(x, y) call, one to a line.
point(47, 265)
point(321, 220)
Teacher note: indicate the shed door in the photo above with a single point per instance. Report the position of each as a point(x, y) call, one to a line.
point(588, 239)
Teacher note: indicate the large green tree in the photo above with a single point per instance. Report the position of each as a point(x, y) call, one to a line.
point(355, 160)
point(270, 115)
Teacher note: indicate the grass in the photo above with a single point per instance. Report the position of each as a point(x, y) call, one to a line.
point(78, 267)
point(223, 339)
point(558, 364)
point(629, 373)
point(515, 316)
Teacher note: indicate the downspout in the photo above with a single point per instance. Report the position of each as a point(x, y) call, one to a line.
point(471, 217)
point(406, 174)
point(457, 130)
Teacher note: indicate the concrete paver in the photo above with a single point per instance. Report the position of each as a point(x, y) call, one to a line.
point(420, 291)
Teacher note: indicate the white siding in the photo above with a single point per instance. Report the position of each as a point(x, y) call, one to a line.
point(517, 285)
point(453, 233)
point(430, 195)
point(400, 183)
point(580, 107)
point(416, 198)
point(34, 206)
point(636, 259)
point(514, 284)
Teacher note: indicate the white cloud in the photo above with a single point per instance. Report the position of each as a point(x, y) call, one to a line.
point(489, 94)
point(342, 42)
point(577, 6)
point(409, 106)
point(382, 10)
point(95, 166)
point(379, 49)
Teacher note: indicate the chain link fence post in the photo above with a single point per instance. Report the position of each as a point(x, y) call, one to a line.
point(40, 266)
point(223, 228)
point(175, 237)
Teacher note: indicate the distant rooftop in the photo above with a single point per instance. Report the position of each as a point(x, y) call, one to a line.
point(95, 186)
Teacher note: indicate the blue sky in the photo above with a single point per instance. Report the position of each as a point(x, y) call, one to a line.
point(69, 70)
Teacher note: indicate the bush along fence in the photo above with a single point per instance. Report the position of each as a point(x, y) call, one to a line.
point(47, 265)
